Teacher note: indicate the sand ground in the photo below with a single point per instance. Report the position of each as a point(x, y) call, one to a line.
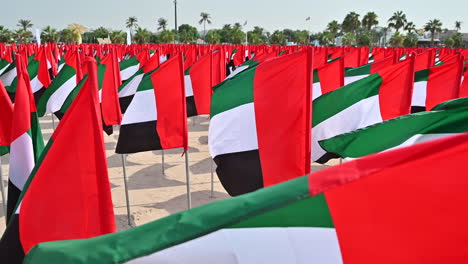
point(152, 194)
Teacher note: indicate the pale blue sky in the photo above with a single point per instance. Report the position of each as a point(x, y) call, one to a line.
point(270, 14)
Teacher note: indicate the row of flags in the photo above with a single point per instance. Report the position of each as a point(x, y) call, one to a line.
point(273, 110)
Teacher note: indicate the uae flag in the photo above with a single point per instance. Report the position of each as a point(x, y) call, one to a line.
point(26, 138)
point(8, 75)
point(128, 89)
point(6, 117)
point(68, 194)
point(447, 119)
point(259, 132)
point(199, 80)
point(328, 77)
point(357, 73)
point(436, 85)
point(62, 86)
point(389, 208)
point(141, 128)
point(109, 82)
point(381, 96)
point(5, 61)
point(38, 71)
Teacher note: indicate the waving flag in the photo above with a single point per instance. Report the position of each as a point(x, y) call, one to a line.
point(381, 96)
point(376, 209)
point(68, 194)
point(245, 141)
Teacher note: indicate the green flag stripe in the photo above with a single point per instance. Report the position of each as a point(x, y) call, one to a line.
point(338, 100)
point(358, 71)
point(128, 63)
point(421, 76)
point(391, 133)
point(65, 74)
point(310, 212)
point(233, 92)
point(71, 97)
point(183, 226)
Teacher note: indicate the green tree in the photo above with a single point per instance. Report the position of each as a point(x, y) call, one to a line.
point(68, 36)
point(49, 35)
point(397, 20)
point(349, 39)
point(397, 40)
point(5, 35)
point(257, 36)
point(433, 26)
point(101, 32)
point(364, 39)
point(131, 24)
point(166, 36)
point(213, 37)
point(351, 23)
point(334, 28)
point(142, 35)
point(24, 24)
point(236, 36)
point(205, 18)
point(22, 36)
point(277, 38)
point(162, 23)
point(187, 34)
point(302, 37)
point(411, 40)
point(458, 40)
point(449, 42)
point(325, 38)
point(458, 25)
point(369, 20)
point(410, 27)
point(290, 35)
point(118, 37)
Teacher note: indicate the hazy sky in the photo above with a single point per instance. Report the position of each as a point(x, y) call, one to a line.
point(270, 14)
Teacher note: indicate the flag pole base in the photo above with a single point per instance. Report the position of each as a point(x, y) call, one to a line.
point(126, 189)
point(212, 178)
point(2, 187)
point(187, 174)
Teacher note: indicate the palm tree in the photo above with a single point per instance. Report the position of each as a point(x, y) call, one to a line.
point(131, 24)
point(369, 20)
point(24, 24)
point(325, 38)
point(205, 18)
point(142, 35)
point(68, 36)
point(49, 35)
point(334, 27)
point(458, 25)
point(410, 27)
point(118, 37)
point(5, 35)
point(162, 23)
point(397, 21)
point(349, 39)
point(351, 22)
point(21, 35)
point(433, 26)
point(397, 40)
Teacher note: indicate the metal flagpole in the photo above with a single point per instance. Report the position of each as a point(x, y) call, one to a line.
point(126, 189)
point(341, 161)
point(53, 122)
point(212, 178)
point(162, 161)
point(3, 189)
point(187, 174)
